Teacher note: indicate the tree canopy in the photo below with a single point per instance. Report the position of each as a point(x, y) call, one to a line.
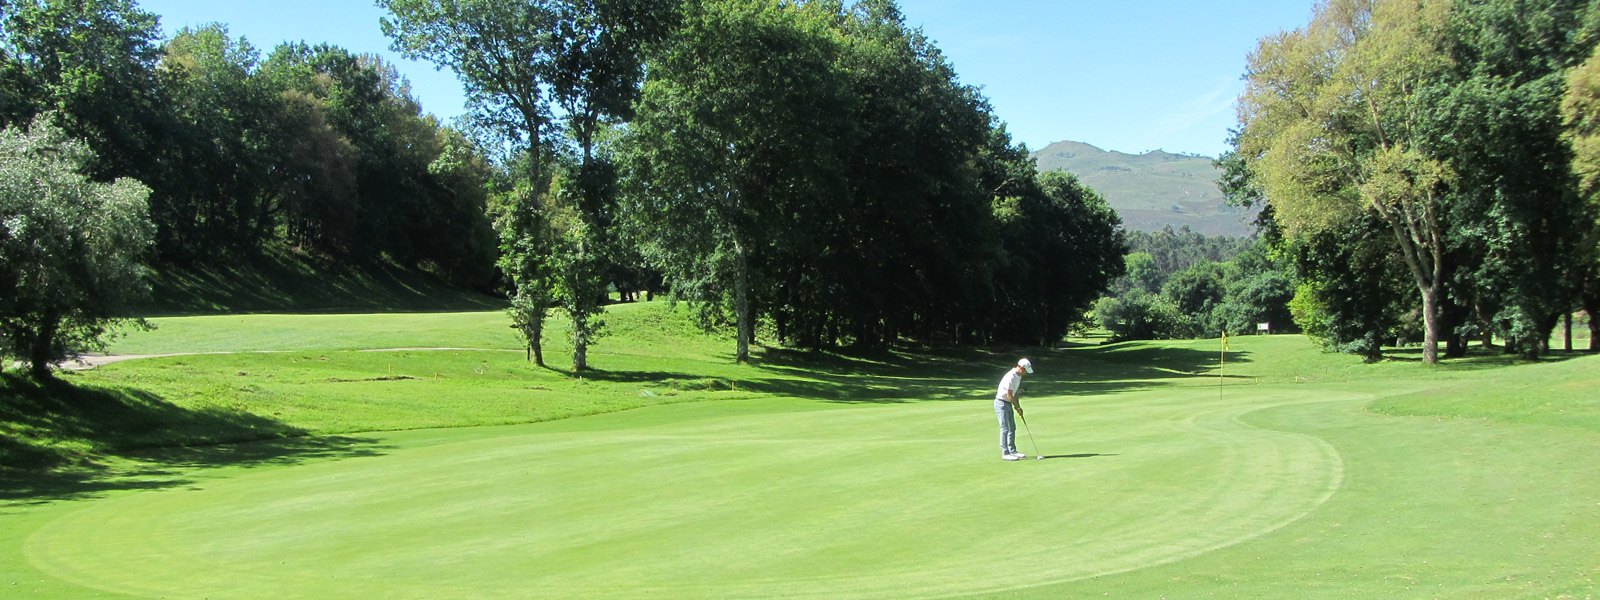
point(71, 249)
point(1438, 122)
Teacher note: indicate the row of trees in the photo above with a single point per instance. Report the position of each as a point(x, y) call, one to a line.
point(810, 169)
point(806, 166)
point(309, 146)
point(1425, 161)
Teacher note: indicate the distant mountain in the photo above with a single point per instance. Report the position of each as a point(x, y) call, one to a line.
point(1151, 190)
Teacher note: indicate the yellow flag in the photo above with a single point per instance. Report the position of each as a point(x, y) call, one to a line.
point(1225, 347)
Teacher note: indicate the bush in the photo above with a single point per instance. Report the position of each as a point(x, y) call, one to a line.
point(1141, 316)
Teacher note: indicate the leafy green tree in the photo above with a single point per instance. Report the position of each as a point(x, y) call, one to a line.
point(1517, 223)
point(894, 260)
point(516, 59)
point(1257, 298)
point(1138, 315)
point(1351, 293)
point(1072, 242)
point(1329, 130)
point(1176, 250)
point(70, 247)
point(211, 189)
point(1141, 273)
point(465, 248)
point(595, 81)
point(91, 64)
point(503, 52)
point(737, 138)
point(526, 243)
point(1257, 288)
point(1196, 290)
point(1580, 110)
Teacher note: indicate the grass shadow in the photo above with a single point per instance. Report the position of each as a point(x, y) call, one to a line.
point(66, 441)
point(968, 374)
point(1479, 358)
point(282, 281)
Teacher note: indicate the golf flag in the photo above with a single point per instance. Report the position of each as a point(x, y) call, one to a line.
point(1225, 347)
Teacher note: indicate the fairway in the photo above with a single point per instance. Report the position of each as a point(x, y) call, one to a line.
point(878, 501)
point(674, 473)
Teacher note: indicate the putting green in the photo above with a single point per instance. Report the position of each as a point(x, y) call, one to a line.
point(735, 498)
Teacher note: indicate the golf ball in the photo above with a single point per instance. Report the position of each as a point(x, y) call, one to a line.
point(1039, 457)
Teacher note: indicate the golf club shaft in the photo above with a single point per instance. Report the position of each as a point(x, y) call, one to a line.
point(1030, 433)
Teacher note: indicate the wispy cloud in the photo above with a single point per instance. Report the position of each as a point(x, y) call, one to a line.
point(1196, 110)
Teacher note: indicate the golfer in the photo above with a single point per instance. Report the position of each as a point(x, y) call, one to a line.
point(1005, 399)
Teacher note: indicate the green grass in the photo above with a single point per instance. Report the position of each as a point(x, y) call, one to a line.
point(471, 474)
point(283, 281)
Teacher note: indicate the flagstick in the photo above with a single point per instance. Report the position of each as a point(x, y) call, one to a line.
point(1221, 361)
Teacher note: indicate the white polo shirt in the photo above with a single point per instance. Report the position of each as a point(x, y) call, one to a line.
point(1011, 382)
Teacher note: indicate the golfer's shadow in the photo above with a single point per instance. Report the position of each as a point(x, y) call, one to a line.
point(1088, 455)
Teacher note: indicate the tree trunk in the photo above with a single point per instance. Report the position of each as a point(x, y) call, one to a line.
point(1567, 318)
point(1590, 297)
point(535, 343)
point(42, 352)
point(1431, 323)
point(1545, 326)
point(1454, 315)
point(741, 303)
point(533, 329)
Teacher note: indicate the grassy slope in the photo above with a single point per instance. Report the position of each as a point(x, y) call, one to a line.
point(278, 281)
point(329, 388)
point(1150, 190)
point(1279, 484)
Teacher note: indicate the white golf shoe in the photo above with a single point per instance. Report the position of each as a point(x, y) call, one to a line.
point(1010, 457)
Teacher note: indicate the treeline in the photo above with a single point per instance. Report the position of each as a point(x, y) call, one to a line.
point(1428, 167)
point(1174, 251)
point(810, 169)
point(813, 171)
point(1184, 284)
point(313, 147)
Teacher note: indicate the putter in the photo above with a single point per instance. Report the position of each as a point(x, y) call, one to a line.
point(1025, 427)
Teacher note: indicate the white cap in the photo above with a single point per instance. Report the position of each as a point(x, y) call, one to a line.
point(1026, 365)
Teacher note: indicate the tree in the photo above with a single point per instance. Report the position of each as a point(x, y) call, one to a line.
point(1328, 125)
point(1580, 110)
point(91, 64)
point(736, 140)
point(1072, 243)
point(1140, 273)
point(1516, 221)
point(1256, 289)
point(1351, 291)
point(464, 247)
point(210, 189)
point(525, 257)
point(1137, 315)
point(503, 52)
point(595, 81)
point(69, 246)
point(515, 58)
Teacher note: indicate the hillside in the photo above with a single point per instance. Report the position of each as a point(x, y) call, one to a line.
point(1151, 190)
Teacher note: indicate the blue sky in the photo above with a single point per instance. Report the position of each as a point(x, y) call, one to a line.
point(1132, 76)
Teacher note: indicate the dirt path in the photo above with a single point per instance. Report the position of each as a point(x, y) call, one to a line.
point(90, 361)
